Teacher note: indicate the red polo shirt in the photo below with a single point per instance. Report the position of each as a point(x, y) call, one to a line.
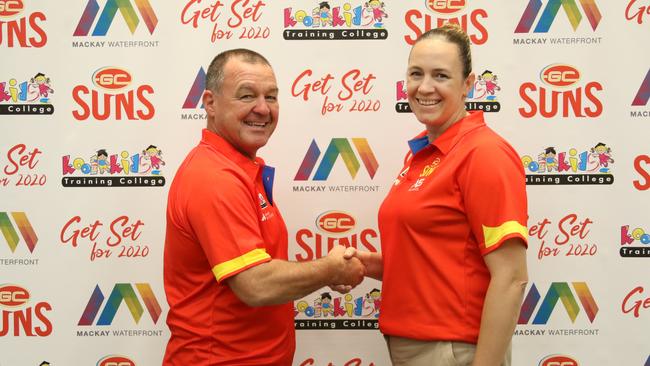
point(454, 201)
point(221, 220)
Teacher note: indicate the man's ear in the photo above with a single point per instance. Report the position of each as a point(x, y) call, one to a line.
point(208, 102)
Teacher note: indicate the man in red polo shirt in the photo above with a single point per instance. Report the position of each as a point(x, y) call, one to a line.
point(227, 279)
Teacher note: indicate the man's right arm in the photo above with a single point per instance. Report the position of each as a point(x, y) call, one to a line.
point(279, 281)
point(226, 224)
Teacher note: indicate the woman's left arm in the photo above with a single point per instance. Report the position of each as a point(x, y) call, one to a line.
point(507, 266)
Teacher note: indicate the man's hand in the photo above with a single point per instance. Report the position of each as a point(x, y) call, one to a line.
point(344, 289)
point(347, 270)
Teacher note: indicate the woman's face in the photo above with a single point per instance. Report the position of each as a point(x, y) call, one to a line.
point(435, 84)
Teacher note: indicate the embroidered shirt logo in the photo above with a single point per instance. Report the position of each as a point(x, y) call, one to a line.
point(426, 171)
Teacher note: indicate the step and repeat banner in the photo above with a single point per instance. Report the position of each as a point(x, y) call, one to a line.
point(100, 100)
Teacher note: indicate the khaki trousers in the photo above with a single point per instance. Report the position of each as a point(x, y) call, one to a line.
point(412, 352)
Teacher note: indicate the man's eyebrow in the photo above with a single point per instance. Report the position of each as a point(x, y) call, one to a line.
point(245, 86)
point(249, 87)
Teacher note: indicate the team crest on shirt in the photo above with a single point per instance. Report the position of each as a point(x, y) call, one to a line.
point(426, 171)
point(263, 203)
point(266, 214)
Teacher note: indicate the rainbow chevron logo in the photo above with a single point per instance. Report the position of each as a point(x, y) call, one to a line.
point(108, 14)
point(643, 94)
point(558, 291)
point(342, 147)
point(122, 292)
point(570, 7)
point(24, 226)
point(194, 96)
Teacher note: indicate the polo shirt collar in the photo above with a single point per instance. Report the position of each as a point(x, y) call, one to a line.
point(450, 137)
point(251, 168)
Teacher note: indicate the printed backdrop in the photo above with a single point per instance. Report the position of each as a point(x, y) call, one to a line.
point(100, 102)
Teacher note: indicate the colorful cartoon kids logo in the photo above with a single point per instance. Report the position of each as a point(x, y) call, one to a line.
point(43, 85)
point(548, 156)
point(485, 87)
point(36, 90)
point(376, 7)
point(324, 306)
point(596, 160)
point(369, 14)
point(483, 96)
point(154, 155)
point(374, 297)
point(489, 80)
point(148, 162)
point(323, 13)
point(101, 161)
point(373, 11)
point(604, 156)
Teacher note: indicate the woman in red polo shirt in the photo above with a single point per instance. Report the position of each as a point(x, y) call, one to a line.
point(453, 226)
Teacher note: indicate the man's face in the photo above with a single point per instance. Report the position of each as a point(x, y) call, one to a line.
point(245, 111)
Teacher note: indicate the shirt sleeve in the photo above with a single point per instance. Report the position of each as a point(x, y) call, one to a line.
point(225, 219)
point(493, 187)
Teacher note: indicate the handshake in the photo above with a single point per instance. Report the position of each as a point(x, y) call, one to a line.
point(349, 267)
